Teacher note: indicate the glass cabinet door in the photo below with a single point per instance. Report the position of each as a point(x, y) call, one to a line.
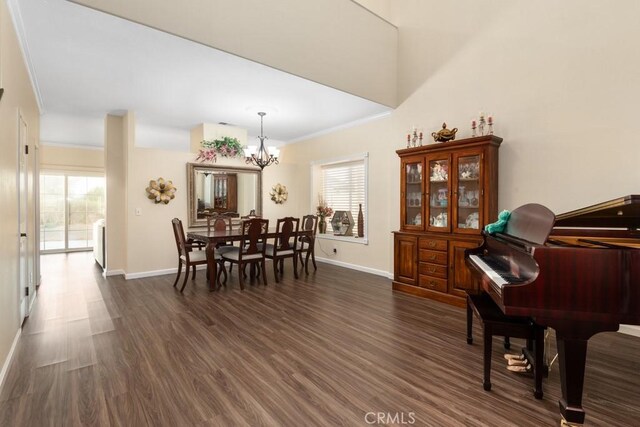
point(469, 193)
point(413, 185)
point(438, 191)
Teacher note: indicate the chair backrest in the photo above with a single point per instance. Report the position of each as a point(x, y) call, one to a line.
point(309, 223)
point(181, 241)
point(254, 236)
point(222, 224)
point(286, 233)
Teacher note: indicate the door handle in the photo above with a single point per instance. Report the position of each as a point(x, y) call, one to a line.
point(23, 234)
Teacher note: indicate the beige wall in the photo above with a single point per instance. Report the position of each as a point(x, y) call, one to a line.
point(372, 138)
point(18, 97)
point(382, 8)
point(333, 42)
point(151, 245)
point(561, 79)
point(116, 152)
point(150, 242)
point(71, 159)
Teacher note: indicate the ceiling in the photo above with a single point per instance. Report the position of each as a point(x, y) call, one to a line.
point(86, 64)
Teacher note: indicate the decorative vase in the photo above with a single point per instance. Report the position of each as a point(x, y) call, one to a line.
point(322, 226)
point(360, 222)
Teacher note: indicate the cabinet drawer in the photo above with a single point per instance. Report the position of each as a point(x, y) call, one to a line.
point(433, 283)
point(433, 270)
point(433, 244)
point(435, 257)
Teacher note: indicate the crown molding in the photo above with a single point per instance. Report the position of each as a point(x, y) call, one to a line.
point(16, 18)
point(340, 127)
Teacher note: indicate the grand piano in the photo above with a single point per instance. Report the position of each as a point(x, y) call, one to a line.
point(578, 273)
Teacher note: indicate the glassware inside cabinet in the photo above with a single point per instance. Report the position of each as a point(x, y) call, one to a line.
point(439, 191)
point(413, 193)
point(468, 192)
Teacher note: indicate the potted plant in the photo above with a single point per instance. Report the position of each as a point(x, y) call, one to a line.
point(224, 147)
point(323, 211)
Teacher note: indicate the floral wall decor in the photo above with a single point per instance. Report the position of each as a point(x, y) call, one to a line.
point(161, 191)
point(279, 194)
point(225, 147)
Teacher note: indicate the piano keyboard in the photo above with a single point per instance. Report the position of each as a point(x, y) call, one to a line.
point(495, 277)
point(495, 271)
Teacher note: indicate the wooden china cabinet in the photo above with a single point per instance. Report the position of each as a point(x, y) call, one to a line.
point(448, 193)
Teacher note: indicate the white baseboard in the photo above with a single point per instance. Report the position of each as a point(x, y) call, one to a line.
point(142, 274)
point(114, 273)
point(630, 330)
point(356, 267)
point(152, 273)
point(7, 362)
point(33, 301)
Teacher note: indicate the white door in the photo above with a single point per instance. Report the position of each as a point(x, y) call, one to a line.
point(23, 176)
point(32, 224)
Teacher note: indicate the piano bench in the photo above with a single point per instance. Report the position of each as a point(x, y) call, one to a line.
point(495, 322)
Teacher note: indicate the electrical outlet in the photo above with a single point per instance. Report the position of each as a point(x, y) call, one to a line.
point(335, 250)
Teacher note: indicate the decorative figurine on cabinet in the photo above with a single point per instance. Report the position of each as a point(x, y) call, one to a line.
point(444, 134)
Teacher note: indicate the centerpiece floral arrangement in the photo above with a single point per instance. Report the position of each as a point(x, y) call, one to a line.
point(323, 211)
point(225, 147)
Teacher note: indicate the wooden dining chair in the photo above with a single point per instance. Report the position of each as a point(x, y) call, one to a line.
point(189, 257)
point(284, 245)
point(251, 249)
point(307, 242)
point(223, 223)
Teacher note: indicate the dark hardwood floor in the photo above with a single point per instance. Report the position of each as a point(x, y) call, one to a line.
point(323, 350)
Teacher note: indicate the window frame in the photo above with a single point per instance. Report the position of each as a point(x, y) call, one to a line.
point(316, 188)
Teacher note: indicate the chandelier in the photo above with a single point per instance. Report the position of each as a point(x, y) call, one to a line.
point(259, 156)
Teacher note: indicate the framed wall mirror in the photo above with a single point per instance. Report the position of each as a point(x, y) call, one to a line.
point(222, 189)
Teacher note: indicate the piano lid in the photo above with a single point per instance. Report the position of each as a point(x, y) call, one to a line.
point(623, 212)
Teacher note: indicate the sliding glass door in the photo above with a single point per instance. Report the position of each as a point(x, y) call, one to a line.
point(69, 205)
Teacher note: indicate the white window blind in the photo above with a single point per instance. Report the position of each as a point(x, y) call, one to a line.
point(343, 187)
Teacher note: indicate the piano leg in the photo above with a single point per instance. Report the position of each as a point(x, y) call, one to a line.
point(488, 342)
point(539, 366)
point(572, 356)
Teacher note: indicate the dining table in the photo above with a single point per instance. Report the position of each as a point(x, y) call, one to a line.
point(213, 237)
